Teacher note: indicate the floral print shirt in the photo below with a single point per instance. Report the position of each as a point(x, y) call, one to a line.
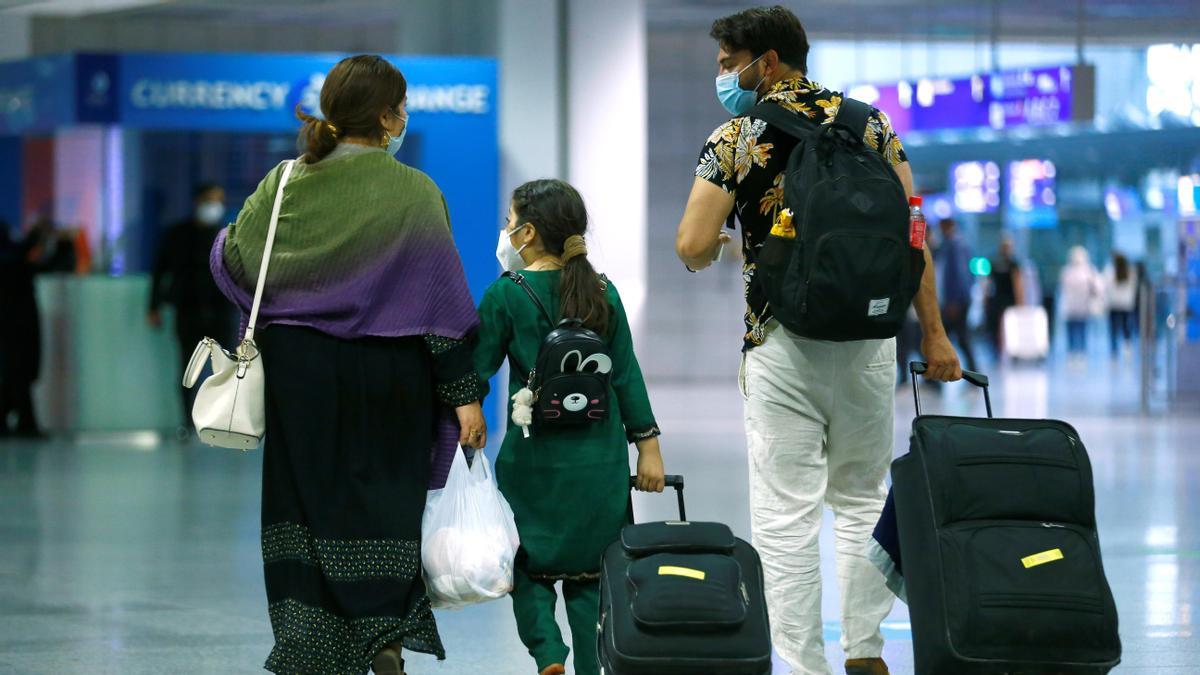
point(747, 158)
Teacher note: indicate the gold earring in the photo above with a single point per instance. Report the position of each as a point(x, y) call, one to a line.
point(387, 138)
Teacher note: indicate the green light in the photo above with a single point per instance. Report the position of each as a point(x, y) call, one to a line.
point(980, 267)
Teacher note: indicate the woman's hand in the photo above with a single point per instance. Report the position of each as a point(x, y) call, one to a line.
point(472, 427)
point(650, 474)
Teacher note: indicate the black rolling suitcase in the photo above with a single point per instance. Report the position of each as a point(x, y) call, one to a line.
point(682, 598)
point(1001, 556)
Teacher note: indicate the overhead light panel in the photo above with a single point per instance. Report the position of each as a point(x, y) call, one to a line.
point(79, 7)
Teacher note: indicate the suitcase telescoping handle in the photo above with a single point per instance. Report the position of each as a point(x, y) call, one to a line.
point(672, 480)
point(978, 379)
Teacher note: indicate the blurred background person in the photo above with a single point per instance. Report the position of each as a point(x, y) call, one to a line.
point(20, 330)
point(56, 249)
point(1006, 290)
point(1080, 288)
point(182, 279)
point(1121, 290)
point(953, 260)
point(1045, 286)
point(1144, 289)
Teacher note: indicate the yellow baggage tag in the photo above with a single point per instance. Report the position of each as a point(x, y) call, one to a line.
point(1042, 558)
point(672, 570)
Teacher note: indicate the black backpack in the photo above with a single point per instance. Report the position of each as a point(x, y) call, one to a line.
point(847, 271)
point(570, 379)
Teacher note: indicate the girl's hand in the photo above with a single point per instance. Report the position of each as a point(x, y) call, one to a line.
point(650, 474)
point(472, 427)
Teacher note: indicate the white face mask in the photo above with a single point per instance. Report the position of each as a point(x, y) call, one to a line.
point(210, 213)
point(508, 255)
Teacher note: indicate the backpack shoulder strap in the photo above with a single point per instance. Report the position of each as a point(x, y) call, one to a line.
point(790, 123)
point(519, 279)
point(854, 115)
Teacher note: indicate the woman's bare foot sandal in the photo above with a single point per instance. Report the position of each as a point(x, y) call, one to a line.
point(388, 661)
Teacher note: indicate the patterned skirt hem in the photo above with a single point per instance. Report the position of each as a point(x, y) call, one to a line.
point(315, 641)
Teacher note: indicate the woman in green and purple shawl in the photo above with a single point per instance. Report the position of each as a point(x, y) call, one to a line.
point(366, 312)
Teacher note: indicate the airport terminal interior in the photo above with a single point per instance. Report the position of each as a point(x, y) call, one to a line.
point(1059, 137)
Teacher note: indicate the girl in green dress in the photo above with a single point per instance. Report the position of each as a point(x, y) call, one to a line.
point(569, 488)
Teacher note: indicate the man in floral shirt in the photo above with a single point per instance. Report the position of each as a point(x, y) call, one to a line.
point(818, 414)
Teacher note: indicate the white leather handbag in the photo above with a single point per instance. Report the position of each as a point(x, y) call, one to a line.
point(230, 408)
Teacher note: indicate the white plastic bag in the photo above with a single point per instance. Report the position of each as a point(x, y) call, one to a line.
point(468, 537)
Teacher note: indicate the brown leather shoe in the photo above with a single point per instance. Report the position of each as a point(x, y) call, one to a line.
point(555, 669)
point(866, 667)
point(388, 662)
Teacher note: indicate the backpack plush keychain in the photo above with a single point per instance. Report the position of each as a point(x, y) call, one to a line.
point(522, 414)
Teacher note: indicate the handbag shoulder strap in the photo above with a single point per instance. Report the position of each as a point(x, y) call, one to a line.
point(266, 257)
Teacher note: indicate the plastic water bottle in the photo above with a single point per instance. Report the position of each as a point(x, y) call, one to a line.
point(916, 224)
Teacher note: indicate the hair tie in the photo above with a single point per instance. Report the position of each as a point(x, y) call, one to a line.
point(332, 128)
point(573, 246)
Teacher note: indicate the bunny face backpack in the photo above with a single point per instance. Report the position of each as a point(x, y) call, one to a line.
point(569, 384)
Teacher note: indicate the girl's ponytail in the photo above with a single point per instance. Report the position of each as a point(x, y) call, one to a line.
point(581, 289)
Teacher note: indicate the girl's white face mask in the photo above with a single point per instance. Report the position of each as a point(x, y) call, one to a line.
point(508, 255)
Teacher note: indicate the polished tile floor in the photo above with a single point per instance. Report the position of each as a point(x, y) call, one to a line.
point(122, 555)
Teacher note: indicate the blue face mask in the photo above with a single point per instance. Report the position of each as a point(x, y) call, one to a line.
point(394, 144)
point(729, 91)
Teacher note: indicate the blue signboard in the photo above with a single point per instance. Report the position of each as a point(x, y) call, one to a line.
point(260, 92)
point(451, 103)
point(96, 88)
point(452, 108)
point(36, 95)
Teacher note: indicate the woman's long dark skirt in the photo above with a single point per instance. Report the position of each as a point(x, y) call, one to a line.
point(345, 471)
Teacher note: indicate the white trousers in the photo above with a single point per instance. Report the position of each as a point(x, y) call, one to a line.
point(819, 430)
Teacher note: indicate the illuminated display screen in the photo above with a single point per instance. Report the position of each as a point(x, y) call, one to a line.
point(1007, 99)
point(1174, 75)
point(1188, 195)
point(1032, 200)
point(1121, 203)
point(975, 186)
point(938, 206)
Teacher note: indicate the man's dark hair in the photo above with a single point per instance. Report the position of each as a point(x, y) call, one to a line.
point(204, 188)
point(762, 29)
